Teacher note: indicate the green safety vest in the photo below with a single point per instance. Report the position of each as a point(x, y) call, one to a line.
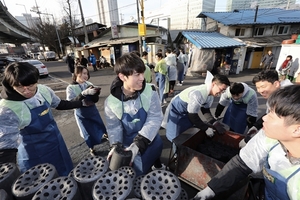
point(115, 104)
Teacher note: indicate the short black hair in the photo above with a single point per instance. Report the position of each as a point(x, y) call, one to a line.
point(159, 55)
point(21, 73)
point(221, 79)
point(169, 50)
point(144, 53)
point(236, 88)
point(137, 53)
point(285, 102)
point(129, 63)
point(266, 75)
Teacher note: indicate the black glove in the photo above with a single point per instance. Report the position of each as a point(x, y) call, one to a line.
point(141, 142)
point(219, 110)
point(219, 127)
point(250, 121)
point(195, 119)
point(94, 97)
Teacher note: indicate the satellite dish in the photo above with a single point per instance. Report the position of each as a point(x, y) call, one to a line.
point(237, 50)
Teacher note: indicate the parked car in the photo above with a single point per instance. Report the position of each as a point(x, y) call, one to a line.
point(41, 57)
point(50, 55)
point(4, 61)
point(43, 70)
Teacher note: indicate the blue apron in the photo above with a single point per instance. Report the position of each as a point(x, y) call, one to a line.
point(236, 117)
point(156, 77)
point(131, 126)
point(42, 142)
point(275, 184)
point(178, 120)
point(161, 86)
point(91, 125)
point(180, 72)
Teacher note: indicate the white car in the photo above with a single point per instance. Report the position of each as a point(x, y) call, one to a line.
point(39, 65)
point(50, 55)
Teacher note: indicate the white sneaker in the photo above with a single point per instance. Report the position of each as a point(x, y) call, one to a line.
point(163, 167)
point(179, 84)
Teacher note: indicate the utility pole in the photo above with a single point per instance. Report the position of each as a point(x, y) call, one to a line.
point(122, 19)
point(255, 16)
point(187, 14)
point(288, 5)
point(36, 10)
point(60, 46)
point(143, 24)
point(138, 19)
point(86, 39)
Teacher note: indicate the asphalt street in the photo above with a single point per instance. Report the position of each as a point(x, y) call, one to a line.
point(59, 79)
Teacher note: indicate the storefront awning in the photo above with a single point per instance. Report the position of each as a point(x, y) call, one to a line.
point(210, 40)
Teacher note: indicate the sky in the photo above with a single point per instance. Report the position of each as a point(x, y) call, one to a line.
point(127, 8)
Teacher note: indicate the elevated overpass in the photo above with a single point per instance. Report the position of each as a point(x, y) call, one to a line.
point(11, 30)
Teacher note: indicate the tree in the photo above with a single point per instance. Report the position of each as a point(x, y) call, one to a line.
point(46, 34)
point(71, 15)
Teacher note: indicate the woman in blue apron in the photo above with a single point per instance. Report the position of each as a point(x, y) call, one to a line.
point(88, 118)
point(27, 122)
point(133, 114)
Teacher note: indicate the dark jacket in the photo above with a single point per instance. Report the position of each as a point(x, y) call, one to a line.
point(84, 61)
point(70, 62)
point(267, 59)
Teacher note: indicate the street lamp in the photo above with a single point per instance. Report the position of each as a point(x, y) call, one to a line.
point(23, 6)
point(26, 17)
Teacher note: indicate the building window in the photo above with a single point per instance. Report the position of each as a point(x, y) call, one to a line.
point(283, 30)
point(259, 31)
point(239, 32)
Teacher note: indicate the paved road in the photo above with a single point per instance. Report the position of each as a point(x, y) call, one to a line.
point(59, 79)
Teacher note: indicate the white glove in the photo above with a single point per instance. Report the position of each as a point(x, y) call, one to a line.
point(134, 150)
point(210, 132)
point(109, 155)
point(89, 91)
point(252, 130)
point(242, 143)
point(207, 193)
